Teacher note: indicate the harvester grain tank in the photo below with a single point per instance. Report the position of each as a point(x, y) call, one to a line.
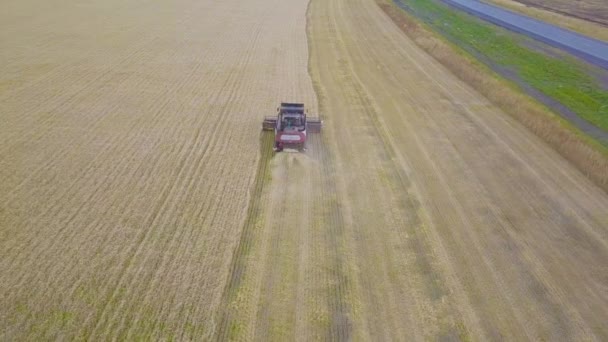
point(291, 126)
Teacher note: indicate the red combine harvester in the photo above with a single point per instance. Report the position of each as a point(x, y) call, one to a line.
point(291, 126)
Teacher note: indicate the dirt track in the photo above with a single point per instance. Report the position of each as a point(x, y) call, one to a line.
point(421, 212)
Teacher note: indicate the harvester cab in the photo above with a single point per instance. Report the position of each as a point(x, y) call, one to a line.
point(291, 126)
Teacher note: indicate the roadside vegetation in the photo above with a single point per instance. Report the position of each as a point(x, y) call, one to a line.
point(565, 20)
point(422, 17)
point(590, 10)
point(561, 78)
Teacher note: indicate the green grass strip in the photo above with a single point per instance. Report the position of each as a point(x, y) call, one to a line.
point(562, 78)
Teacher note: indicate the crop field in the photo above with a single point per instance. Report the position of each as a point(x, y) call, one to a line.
point(139, 200)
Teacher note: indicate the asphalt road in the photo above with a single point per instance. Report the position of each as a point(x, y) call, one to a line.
point(590, 49)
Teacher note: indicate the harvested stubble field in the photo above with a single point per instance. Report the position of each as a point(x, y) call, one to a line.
point(131, 207)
